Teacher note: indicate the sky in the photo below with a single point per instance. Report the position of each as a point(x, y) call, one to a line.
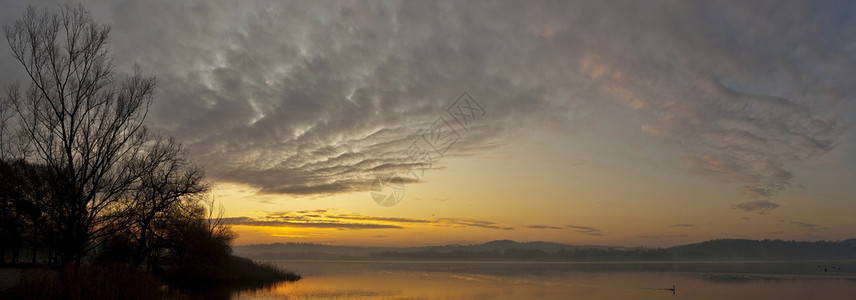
point(408, 123)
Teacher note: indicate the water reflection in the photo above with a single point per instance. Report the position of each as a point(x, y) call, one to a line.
point(479, 280)
point(225, 291)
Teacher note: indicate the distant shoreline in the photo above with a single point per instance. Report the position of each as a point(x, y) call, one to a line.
point(504, 250)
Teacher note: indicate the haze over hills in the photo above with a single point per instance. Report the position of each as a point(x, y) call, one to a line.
point(723, 249)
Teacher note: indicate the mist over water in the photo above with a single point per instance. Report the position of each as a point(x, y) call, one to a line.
point(564, 280)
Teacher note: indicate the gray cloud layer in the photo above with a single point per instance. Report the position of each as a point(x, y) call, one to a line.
point(315, 97)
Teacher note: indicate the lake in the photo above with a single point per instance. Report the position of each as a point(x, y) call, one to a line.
point(562, 280)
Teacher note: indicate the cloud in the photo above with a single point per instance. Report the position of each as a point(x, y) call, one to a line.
point(303, 98)
point(312, 97)
point(348, 221)
point(543, 227)
point(808, 226)
point(472, 223)
point(298, 224)
point(760, 206)
point(586, 230)
point(382, 219)
point(683, 225)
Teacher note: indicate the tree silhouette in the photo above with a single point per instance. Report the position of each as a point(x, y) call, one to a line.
point(82, 121)
point(168, 182)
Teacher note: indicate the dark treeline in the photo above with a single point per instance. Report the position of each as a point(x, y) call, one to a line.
point(164, 218)
point(741, 249)
point(713, 250)
point(82, 180)
point(725, 249)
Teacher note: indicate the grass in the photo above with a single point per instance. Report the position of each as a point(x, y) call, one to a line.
point(244, 269)
point(86, 282)
point(235, 270)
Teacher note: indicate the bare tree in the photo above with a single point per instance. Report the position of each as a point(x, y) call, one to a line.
point(168, 180)
point(81, 120)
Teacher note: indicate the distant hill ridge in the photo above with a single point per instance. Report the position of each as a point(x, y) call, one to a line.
point(719, 249)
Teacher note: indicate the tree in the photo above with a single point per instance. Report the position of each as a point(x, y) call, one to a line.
point(6, 115)
point(23, 195)
point(10, 224)
point(198, 241)
point(168, 181)
point(81, 120)
point(88, 174)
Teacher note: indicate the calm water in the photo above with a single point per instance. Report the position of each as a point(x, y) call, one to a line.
point(503, 280)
